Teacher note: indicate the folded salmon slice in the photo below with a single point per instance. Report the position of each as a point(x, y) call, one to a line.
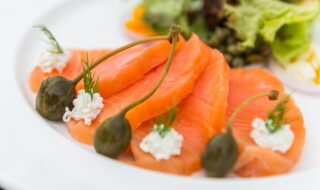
point(188, 63)
point(115, 73)
point(200, 116)
point(254, 160)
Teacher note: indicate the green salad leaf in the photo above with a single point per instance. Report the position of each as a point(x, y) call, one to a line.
point(291, 40)
point(161, 14)
point(246, 21)
point(280, 24)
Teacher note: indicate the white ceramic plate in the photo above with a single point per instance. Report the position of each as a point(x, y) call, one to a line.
point(43, 156)
point(293, 82)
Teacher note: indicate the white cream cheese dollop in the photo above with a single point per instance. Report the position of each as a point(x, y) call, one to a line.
point(162, 148)
point(85, 107)
point(49, 61)
point(281, 140)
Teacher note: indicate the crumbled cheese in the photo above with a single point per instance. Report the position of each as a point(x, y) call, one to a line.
point(85, 107)
point(280, 141)
point(307, 65)
point(49, 61)
point(162, 148)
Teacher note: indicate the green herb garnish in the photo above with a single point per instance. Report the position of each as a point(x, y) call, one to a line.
point(91, 83)
point(276, 118)
point(55, 47)
point(164, 122)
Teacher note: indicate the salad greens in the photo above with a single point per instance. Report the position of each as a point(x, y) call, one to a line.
point(162, 14)
point(282, 25)
point(239, 28)
point(291, 41)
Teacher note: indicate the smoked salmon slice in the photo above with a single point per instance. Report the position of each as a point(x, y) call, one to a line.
point(200, 116)
point(188, 63)
point(253, 160)
point(115, 73)
point(129, 66)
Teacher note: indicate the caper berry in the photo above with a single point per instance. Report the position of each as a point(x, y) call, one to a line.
point(221, 152)
point(254, 58)
point(237, 62)
point(113, 136)
point(55, 94)
point(232, 49)
point(214, 41)
point(231, 40)
point(220, 33)
point(220, 155)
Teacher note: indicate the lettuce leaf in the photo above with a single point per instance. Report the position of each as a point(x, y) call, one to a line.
point(291, 40)
point(161, 14)
point(280, 24)
point(246, 21)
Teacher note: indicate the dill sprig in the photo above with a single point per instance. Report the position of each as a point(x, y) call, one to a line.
point(276, 118)
point(55, 46)
point(91, 82)
point(164, 122)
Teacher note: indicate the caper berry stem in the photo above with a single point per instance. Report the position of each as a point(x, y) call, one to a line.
point(221, 152)
point(114, 134)
point(118, 50)
point(174, 37)
point(272, 95)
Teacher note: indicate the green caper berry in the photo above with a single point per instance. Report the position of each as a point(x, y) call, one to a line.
point(231, 40)
point(232, 49)
point(214, 41)
point(226, 31)
point(238, 62)
point(221, 152)
point(55, 94)
point(241, 48)
point(221, 35)
point(254, 58)
point(113, 136)
point(220, 155)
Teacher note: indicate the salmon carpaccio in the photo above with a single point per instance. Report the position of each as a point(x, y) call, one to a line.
point(115, 73)
point(253, 160)
point(187, 65)
point(199, 116)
